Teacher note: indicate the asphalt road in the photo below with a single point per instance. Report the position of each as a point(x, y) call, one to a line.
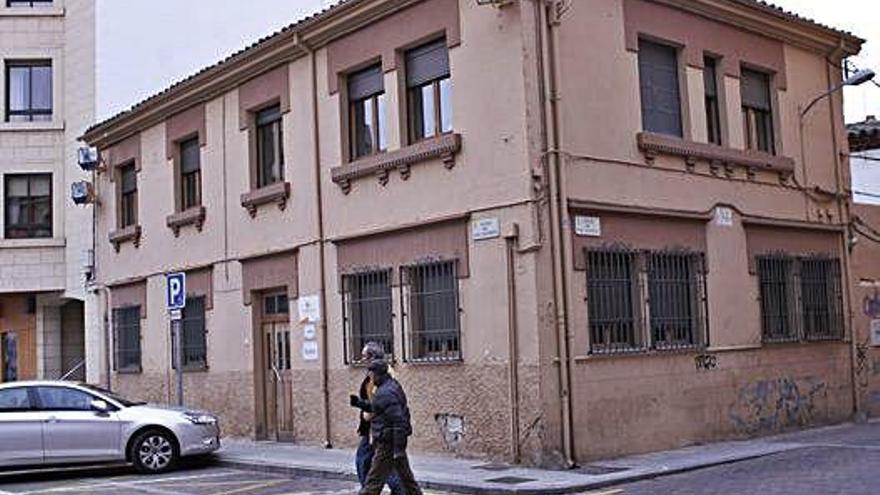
point(191, 480)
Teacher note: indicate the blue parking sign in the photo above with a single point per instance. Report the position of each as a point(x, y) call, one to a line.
point(175, 292)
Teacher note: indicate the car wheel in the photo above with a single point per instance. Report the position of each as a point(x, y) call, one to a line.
point(154, 452)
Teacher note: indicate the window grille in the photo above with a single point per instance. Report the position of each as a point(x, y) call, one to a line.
point(613, 301)
point(127, 325)
point(195, 352)
point(821, 302)
point(775, 276)
point(431, 302)
point(367, 313)
point(676, 295)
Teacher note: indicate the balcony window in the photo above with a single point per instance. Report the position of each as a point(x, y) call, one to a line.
point(430, 90)
point(367, 112)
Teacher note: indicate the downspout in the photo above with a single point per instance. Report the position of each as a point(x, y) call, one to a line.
point(513, 343)
point(557, 233)
point(843, 214)
point(316, 140)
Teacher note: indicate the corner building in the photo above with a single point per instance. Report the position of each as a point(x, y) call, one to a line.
point(583, 229)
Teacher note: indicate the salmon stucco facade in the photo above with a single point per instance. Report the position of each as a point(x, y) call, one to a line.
point(583, 229)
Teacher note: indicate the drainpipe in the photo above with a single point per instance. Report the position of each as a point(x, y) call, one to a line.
point(548, 31)
point(513, 343)
point(316, 140)
point(843, 215)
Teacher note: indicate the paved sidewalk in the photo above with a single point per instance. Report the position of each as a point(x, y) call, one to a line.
point(479, 477)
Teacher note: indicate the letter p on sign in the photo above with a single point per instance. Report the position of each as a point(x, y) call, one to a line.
point(175, 291)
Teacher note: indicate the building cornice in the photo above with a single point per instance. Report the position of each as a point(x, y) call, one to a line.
point(312, 33)
point(285, 46)
point(772, 22)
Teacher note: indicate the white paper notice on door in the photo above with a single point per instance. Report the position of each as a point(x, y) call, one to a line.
point(309, 308)
point(310, 350)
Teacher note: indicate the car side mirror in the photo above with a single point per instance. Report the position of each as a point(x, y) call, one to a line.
point(100, 406)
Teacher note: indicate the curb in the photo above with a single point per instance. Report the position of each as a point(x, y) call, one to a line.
point(622, 479)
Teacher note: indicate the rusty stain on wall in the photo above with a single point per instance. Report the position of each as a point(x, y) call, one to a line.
point(772, 405)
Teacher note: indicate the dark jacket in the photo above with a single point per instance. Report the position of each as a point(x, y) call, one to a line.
point(390, 423)
point(364, 425)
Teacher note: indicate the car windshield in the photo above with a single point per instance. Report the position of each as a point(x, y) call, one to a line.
point(111, 395)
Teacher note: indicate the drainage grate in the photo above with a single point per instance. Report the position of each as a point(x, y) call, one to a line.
point(492, 467)
point(595, 470)
point(510, 480)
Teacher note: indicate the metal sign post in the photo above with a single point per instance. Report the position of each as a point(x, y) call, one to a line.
point(176, 302)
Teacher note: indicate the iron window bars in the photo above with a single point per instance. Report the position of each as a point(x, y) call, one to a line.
point(367, 312)
point(801, 298)
point(430, 298)
point(639, 300)
point(195, 352)
point(127, 338)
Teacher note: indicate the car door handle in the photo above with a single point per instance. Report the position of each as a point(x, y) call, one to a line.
point(52, 419)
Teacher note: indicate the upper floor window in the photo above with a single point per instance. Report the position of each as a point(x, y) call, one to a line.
point(368, 132)
point(190, 174)
point(26, 3)
point(659, 88)
point(429, 87)
point(713, 113)
point(270, 152)
point(28, 206)
point(128, 196)
point(28, 91)
point(757, 111)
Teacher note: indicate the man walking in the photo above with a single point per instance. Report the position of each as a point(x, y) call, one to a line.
point(364, 455)
point(390, 427)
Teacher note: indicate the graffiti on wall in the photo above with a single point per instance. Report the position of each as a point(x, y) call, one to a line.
point(706, 362)
point(776, 404)
point(451, 429)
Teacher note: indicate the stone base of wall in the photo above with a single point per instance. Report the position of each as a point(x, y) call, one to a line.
point(636, 404)
point(229, 395)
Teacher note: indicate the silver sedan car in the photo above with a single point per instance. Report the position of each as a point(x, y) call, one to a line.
point(51, 423)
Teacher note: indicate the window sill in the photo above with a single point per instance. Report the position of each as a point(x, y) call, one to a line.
point(44, 242)
point(653, 144)
point(130, 371)
point(32, 12)
point(278, 193)
point(434, 362)
point(191, 216)
point(31, 126)
point(444, 147)
point(131, 234)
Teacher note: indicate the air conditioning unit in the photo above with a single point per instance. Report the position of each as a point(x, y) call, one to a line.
point(82, 192)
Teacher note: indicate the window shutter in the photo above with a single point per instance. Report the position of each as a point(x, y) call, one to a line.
point(365, 83)
point(710, 80)
point(658, 81)
point(189, 156)
point(755, 89)
point(427, 63)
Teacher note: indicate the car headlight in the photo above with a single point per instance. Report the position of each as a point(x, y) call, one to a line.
point(200, 418)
